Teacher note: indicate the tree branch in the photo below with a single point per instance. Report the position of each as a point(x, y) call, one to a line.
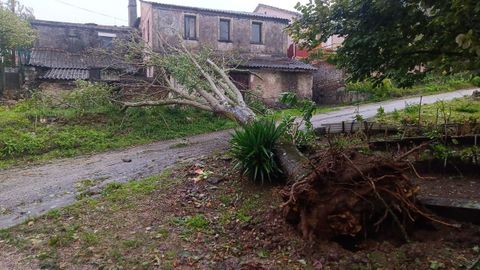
point(165, 102)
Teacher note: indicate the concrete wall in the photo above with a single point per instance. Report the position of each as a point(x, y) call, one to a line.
point(71, 37)
point(272, 83)
point(169, 24)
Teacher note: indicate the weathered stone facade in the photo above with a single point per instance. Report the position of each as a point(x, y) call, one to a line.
point(329, 86)
point(74, 37)
point(274, 72)
point(167, 22)
point(272, 83)
point(70, 51)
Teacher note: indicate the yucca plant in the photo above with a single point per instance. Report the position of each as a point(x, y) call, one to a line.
point(253, 149)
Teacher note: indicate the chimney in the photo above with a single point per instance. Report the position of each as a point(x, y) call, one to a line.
point(132, 12)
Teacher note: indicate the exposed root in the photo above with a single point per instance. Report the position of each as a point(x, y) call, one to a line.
point(353, 194)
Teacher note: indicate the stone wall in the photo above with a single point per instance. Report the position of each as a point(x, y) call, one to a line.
point(328, 84)
point(169, 23)
point(74, 38)
point(272, 83)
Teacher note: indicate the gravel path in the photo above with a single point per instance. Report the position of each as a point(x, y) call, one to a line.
point(31, 191)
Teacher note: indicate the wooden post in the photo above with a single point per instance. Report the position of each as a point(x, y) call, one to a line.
point(13, 56)
point(2, 79)
point(420, 114)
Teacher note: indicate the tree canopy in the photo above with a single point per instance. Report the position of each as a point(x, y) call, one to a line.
point(15, 31)
point(398, 39)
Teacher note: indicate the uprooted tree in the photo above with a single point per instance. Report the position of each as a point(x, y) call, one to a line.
point(198, 79)
point(333, 194)
point(190, 78)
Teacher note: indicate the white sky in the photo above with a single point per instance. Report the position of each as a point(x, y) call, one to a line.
point(116, 10)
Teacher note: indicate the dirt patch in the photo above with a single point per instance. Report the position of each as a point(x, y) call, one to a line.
point(452, 187)
point(12, 259)
point(205, 216)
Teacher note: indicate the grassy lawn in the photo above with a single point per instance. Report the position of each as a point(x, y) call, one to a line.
point(205, 216)
point(279, 114)
point(29, 132)
point(430, 86)
point(460, 110)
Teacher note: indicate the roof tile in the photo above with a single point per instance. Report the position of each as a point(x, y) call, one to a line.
point(65, 74)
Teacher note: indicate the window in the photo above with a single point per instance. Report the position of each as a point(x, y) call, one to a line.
point(256, 33)
point(106, 39)
point(190, 27)
point(224, 30)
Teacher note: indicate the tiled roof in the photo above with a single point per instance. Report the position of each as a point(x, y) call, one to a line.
point(82, 25)
point(65, 74)
point(281, 63)
point(217, 11)
point(52, 58)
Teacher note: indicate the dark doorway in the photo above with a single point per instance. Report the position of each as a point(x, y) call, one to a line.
point(241, 80)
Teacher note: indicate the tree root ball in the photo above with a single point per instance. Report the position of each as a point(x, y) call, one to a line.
point(353, 194)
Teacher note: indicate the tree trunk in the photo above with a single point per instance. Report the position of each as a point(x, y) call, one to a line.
point(294, 164)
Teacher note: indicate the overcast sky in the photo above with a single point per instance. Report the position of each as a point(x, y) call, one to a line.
point(114, 12)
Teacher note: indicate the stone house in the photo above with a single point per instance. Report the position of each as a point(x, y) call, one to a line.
point(293, 50)
point(65, 52)
point(259, 40)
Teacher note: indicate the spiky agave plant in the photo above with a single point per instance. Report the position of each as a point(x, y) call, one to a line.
point(253, 149)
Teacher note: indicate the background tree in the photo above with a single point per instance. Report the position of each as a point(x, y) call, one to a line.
point(390, 38)
point(15, 31)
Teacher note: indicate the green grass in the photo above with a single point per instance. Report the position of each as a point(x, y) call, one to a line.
point(429, 86)
point(280, 114)
point(457, 111)
point(28, 133)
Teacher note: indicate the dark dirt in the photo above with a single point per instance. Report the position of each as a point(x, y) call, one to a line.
point(245, 229)
point(452, 187)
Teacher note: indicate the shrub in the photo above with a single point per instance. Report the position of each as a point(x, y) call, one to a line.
point(476, 81)
point(301, 137)
point(89, 97)
point(255, 102)
point(252, 147)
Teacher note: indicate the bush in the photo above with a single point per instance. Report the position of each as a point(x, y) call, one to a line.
point(476, 81)
point(86, 98)
point(89, 97)
point(252, 147)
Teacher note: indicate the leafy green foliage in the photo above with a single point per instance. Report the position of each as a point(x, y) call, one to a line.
point(457, 111)
point(15, 32)
point(253, 149)
point(429, 85)
point(392, 39)
point(476, 81)
point(255, 102)
point(299, 135)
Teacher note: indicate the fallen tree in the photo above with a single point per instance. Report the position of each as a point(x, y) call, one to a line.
point(200, 79)
point(336, 194)
point(356, 195)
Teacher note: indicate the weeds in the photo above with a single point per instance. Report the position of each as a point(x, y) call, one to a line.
point(430, 85)
point(86, 121)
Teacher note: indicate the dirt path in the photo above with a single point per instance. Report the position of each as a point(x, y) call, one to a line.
point(31, 191)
